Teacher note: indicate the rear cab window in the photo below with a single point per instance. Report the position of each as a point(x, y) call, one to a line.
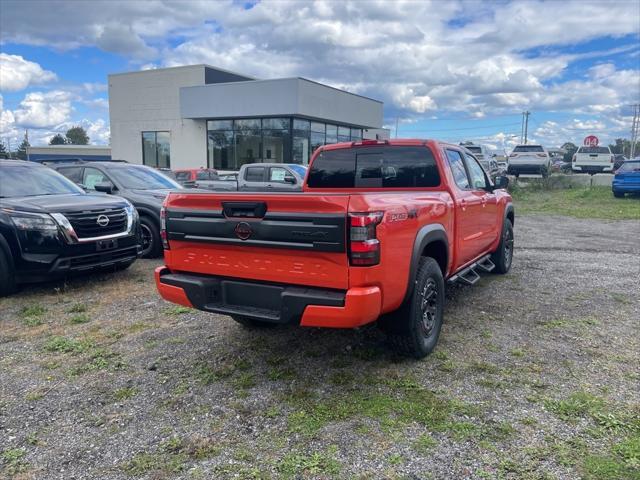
point(529, 148)
point(183, 176)
point(390, 166)
point(597, 150)
point(255, 174)
point(72, 173)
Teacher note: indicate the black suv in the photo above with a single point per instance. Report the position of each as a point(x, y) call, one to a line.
point(143, 186)
point(50, 227)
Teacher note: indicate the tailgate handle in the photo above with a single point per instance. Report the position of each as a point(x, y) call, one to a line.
point(244, 209)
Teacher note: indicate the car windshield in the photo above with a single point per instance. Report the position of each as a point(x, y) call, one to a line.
point(299, 169)
point(630, 167)
point(528, 148)
point(142, 178)
point(31, 180)
point(594, 150)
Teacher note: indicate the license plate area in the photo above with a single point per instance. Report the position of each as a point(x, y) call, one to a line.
point(106, 245)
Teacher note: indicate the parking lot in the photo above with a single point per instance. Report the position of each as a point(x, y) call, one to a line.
point(536, 376)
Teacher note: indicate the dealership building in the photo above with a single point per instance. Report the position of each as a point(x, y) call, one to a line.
point(198, 115)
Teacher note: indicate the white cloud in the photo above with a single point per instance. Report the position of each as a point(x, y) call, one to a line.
point(16, 73)
point(43, 110)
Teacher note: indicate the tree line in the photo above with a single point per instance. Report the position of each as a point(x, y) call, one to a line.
point(74, 136)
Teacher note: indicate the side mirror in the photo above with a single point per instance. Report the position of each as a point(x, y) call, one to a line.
point(290, 179)
point(500, 182)
point(105, 187)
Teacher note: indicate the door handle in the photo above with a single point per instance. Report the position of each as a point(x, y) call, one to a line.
point(463, 204)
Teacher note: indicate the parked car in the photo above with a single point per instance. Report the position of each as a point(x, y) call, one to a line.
point(502, 158)
point(145, 187)
point(259, 177)
point(485, 157)
point(50, 227)
point(529, 159)
point(592, 160)
point(618, 160)
point(558, 164)
point(377, 231)
point(627, 178)
point(188, 177)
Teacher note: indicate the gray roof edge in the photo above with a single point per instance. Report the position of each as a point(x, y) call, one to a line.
point(201, 65)
point(284, 79)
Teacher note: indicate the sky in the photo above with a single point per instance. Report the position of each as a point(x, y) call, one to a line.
point(451, 70)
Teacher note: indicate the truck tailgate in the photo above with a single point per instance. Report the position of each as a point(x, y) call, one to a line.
point(288, 238)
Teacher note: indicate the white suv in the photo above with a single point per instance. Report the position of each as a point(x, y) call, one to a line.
point(532, 159)
point(592, 160)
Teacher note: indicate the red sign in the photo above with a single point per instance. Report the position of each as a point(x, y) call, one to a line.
point(591, 141)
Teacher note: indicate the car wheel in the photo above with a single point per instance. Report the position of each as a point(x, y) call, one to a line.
point(252, 323)
point(7, 278)
point(503, 256)
point(414, 329)
point(151, 242)
point(544, 172)
point(618, 194)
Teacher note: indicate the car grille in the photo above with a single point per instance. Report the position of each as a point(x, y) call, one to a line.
point(86, 223)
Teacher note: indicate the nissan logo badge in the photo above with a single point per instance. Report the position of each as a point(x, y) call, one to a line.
point(243, 230)
point(102, 220)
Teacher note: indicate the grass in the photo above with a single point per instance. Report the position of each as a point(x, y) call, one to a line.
point(77, 308)
point(177, 310)
point(578, 404)
point(32, 315)
point(595, 202)
point(125, 393)
point(58, 344)
point(79, 319)
point(13, 459)
point(317, 464)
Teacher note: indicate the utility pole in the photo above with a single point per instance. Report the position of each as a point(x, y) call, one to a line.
point(526, 125)
point(635, 129)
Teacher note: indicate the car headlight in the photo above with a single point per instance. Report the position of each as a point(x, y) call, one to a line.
point(132, 215)
point(32, 221)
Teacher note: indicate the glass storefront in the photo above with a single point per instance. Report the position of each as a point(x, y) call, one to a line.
point(232, 143)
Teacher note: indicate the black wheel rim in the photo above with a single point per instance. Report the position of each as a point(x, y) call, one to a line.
point(508, 246)
point(429, 306)
point(147, 239)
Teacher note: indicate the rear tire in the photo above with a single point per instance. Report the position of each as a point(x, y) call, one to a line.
point(503, 256)
point(151, 242)
point(618, 194)
point(413, 330)
point(7, 277)
point(252, 323)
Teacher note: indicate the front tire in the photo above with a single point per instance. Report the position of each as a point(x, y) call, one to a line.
point(618, 194)
point(503, 256)
point(151, 242)
point(414, 329)
point(7, 277)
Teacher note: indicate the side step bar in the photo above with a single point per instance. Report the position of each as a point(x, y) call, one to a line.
point(469, 274)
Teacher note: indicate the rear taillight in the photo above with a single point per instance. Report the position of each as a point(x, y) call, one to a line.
point(364, 247)
point(163, 228)
point(541, 155)
point(612, 158)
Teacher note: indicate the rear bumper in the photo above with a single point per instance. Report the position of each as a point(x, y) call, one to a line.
point(622, 187)
point(276, 303)
point(526, 168)
point(592, 168)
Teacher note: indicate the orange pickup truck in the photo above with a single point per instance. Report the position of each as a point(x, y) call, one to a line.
point(377, 231)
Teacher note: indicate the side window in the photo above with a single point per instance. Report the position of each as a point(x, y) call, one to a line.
point(202, 175)
point(254, 174)
point(92, 176)
point(182, 176)
point(72, 173)
point(277, 174)
point(457, 168)
point(397, 167)
point(476, 172)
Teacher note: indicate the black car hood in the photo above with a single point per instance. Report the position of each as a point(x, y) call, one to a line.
point(62, 203)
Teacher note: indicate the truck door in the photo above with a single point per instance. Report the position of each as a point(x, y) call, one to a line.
point(468, 212)
point(489, 211)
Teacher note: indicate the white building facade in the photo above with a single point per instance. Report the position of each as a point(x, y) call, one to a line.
point(196, 116)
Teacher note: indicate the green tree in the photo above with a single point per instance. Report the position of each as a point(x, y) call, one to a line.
point(77, 136)
point(58, 139)
point(570, 149)
point(22, 149)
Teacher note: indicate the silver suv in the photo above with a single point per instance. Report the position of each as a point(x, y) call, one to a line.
point(533, 159)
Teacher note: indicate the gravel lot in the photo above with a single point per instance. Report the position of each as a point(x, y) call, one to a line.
point(536, 376)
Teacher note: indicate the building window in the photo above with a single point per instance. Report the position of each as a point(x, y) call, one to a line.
point(156, 149)
point(232, 143)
